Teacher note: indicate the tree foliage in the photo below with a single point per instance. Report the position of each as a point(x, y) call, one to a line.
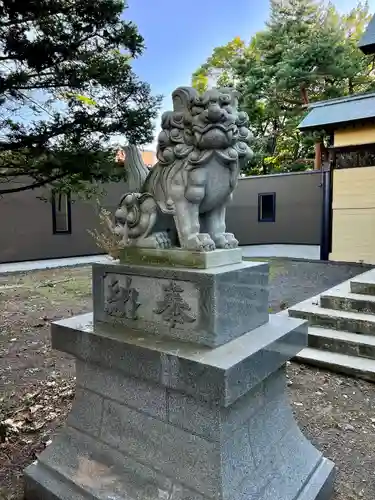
point(307, 52)
point(220, 65)
point(66, 89)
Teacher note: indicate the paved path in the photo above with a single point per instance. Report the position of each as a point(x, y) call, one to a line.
point(51, 263)
point(309, 252)
point(289, 251)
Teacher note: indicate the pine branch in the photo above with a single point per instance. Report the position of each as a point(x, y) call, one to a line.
point(33, 185)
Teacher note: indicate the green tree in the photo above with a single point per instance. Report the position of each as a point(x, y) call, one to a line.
point(295, 60)
point(220, 66)
point(359, 68)
point(66, 90)
point(307, 52)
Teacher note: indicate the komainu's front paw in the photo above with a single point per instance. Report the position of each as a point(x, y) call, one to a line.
point(201, 243)
point(156, 240)
point(226, 240)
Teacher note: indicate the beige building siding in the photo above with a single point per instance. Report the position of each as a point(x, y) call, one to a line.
point(353, 224)
point(353, 136)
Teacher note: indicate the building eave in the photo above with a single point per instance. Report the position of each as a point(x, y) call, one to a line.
point(340, 112)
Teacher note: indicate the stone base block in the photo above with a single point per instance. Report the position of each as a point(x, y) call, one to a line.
point(79, 468)
point(204, 306)
point(164, 419)
point(178, 257)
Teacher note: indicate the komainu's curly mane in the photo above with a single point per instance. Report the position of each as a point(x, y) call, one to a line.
point(180, 141)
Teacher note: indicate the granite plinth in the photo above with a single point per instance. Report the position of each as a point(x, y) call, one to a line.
point(205, 306)
point(167, 419)
point(219, 375)
point(179, 257)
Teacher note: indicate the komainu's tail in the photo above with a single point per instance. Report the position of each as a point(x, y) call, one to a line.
point(135, 168)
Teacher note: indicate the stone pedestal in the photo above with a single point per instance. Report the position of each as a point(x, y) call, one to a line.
point(205, 306)
point(157, 417)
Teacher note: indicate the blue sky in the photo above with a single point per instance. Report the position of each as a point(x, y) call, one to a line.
point(180, 35)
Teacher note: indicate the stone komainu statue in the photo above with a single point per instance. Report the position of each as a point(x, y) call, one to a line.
point(182, 201)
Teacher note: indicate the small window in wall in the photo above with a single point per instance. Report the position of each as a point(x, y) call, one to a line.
point(61, 213)
point(266, 207)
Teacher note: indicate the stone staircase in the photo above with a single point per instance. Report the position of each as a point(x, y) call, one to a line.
point(341, 327)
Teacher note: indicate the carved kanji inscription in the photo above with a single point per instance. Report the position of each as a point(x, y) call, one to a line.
point(173, 308)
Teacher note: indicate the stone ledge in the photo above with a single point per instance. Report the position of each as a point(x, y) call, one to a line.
point(348, 321)
point(177, 257)
point(364, 283)
point(42, 483)
point(221, 375)
point(342, 363)
point(321, 482)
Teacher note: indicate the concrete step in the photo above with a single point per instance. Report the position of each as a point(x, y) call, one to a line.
point(353, 302)
point(364, 283)
point(341, 298)
point(342, 363)
point(347, 343)
point(348, 321)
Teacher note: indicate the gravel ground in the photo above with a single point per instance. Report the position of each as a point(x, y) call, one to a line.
point(37, 384)
point(294, 281)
